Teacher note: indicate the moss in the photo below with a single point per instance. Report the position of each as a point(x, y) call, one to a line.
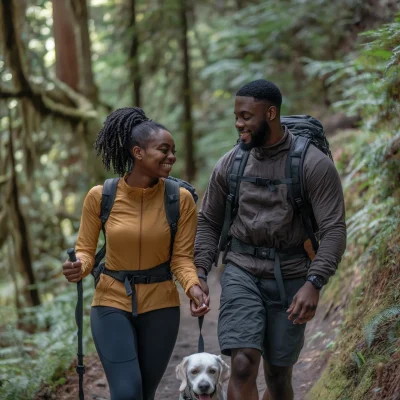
point(364, 385)
point(367, 280)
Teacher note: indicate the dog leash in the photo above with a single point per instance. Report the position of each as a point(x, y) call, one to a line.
point(200, 347)
point(80, 368)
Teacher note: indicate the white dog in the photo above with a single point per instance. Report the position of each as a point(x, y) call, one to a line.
point(202, 376)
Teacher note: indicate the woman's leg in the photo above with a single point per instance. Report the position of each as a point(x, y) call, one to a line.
point(115, 340)
point(156, 333)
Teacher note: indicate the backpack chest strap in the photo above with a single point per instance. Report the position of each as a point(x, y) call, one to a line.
point(160, 273)
point(270, 183)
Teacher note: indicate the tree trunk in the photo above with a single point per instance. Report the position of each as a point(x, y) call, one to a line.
point(190, 167)
point(87, 85)
point(21, 233)
point(10, 38)
point(134, 56)
point(67, 69)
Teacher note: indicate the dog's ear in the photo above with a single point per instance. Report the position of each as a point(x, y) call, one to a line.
point(181, 373)
point(225, 371)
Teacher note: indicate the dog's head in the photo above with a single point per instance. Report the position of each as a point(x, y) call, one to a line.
point(203, 373)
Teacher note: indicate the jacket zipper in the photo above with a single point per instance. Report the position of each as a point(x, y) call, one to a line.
point(140, 231)
point(140, 243)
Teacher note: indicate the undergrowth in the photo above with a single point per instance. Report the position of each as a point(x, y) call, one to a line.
point(367, 283)
point(31, 360)
point(366, 359)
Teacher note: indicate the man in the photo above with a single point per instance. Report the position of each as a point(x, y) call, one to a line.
point(254, 319)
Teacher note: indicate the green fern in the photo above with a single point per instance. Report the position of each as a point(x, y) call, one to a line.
point(372, 327)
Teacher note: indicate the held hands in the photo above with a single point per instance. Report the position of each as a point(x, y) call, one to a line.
point(72, 270)
point(304, 304)
point(199, 306)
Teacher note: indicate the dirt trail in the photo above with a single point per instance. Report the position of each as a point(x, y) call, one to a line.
point(320, 332)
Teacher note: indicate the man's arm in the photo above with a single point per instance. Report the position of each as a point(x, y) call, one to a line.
point(326, 196)
point(211, 219)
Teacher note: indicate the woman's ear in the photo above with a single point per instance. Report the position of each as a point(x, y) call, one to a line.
point(181, 374)
point(137, 153)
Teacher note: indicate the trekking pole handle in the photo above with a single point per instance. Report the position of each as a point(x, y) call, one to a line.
point(71, 254)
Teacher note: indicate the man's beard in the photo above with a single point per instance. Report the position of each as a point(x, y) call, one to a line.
point(258, 138)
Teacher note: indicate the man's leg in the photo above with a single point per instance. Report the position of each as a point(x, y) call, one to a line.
point(244, 370)
point(279, 382)
point(283, 341)
point(241, 327)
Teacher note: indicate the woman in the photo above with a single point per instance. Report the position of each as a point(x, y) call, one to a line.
point(135, 351)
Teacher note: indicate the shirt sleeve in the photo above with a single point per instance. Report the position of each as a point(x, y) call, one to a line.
point(325, 192)
point(182, 264)
point(89, 230)
point(211, 218)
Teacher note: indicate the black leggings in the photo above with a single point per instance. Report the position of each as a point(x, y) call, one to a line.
point(134, 351)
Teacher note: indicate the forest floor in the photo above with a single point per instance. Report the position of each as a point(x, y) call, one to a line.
point(320, 334)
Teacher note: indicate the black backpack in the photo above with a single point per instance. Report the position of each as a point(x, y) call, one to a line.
point(307, 130)
point(171, 200)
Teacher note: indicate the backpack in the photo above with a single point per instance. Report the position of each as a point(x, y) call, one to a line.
point(171, 202)
point(306, 130)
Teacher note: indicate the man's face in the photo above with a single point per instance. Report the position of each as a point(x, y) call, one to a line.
point(251, 121)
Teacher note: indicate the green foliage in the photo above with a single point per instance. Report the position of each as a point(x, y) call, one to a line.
point(30, 360)
point(389, 315)
point(369, 166)
point(367, 82)
point(311, 52)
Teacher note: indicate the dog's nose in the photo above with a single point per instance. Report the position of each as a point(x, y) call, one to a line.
point(204, 386)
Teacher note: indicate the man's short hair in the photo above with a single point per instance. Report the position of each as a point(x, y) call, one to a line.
point(262, 90)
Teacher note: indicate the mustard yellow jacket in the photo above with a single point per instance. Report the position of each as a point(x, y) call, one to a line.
point(138, 238)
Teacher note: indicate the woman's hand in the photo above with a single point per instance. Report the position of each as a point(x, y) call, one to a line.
point(72, 270)
point(199, 304)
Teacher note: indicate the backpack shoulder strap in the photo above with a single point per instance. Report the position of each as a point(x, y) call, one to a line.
point(232, 200)
point(172, 207)
point(297, 195)
point(107, 202)
point(107, 199)
point(294, 169)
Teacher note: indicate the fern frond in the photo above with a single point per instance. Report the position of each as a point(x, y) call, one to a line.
point(372, 327)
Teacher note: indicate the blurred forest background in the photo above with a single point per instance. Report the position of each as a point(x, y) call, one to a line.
point(66, 64)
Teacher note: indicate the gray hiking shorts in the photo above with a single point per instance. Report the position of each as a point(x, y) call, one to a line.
point(252, 316)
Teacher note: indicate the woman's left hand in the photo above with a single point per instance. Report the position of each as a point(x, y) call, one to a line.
point(199, 304)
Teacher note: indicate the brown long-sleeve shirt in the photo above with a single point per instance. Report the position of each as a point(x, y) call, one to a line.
point(138, 238)
point(267, 219)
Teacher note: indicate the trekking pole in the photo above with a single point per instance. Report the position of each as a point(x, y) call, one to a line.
point(80, 368)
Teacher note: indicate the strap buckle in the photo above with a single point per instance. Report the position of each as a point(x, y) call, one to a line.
point(266, 182)
point(128, 286)
point(299, 201)
point(265, 253)
point(147, 279)
point(80, 369)
point(230, 198)
point(262, 181)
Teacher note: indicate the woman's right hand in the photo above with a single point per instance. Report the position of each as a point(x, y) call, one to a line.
point(72, 270)
point(199, 305)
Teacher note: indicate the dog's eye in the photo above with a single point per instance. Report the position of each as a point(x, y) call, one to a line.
point(194, 372)
point(212, 371)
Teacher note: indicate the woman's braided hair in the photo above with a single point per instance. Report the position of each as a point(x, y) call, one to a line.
point(123, 129)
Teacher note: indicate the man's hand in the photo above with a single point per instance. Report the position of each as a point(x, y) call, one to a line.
point(200, 302)
point(304, 304)
point(72, 270)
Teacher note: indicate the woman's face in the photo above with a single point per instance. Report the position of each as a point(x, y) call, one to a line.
point(158, 157)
